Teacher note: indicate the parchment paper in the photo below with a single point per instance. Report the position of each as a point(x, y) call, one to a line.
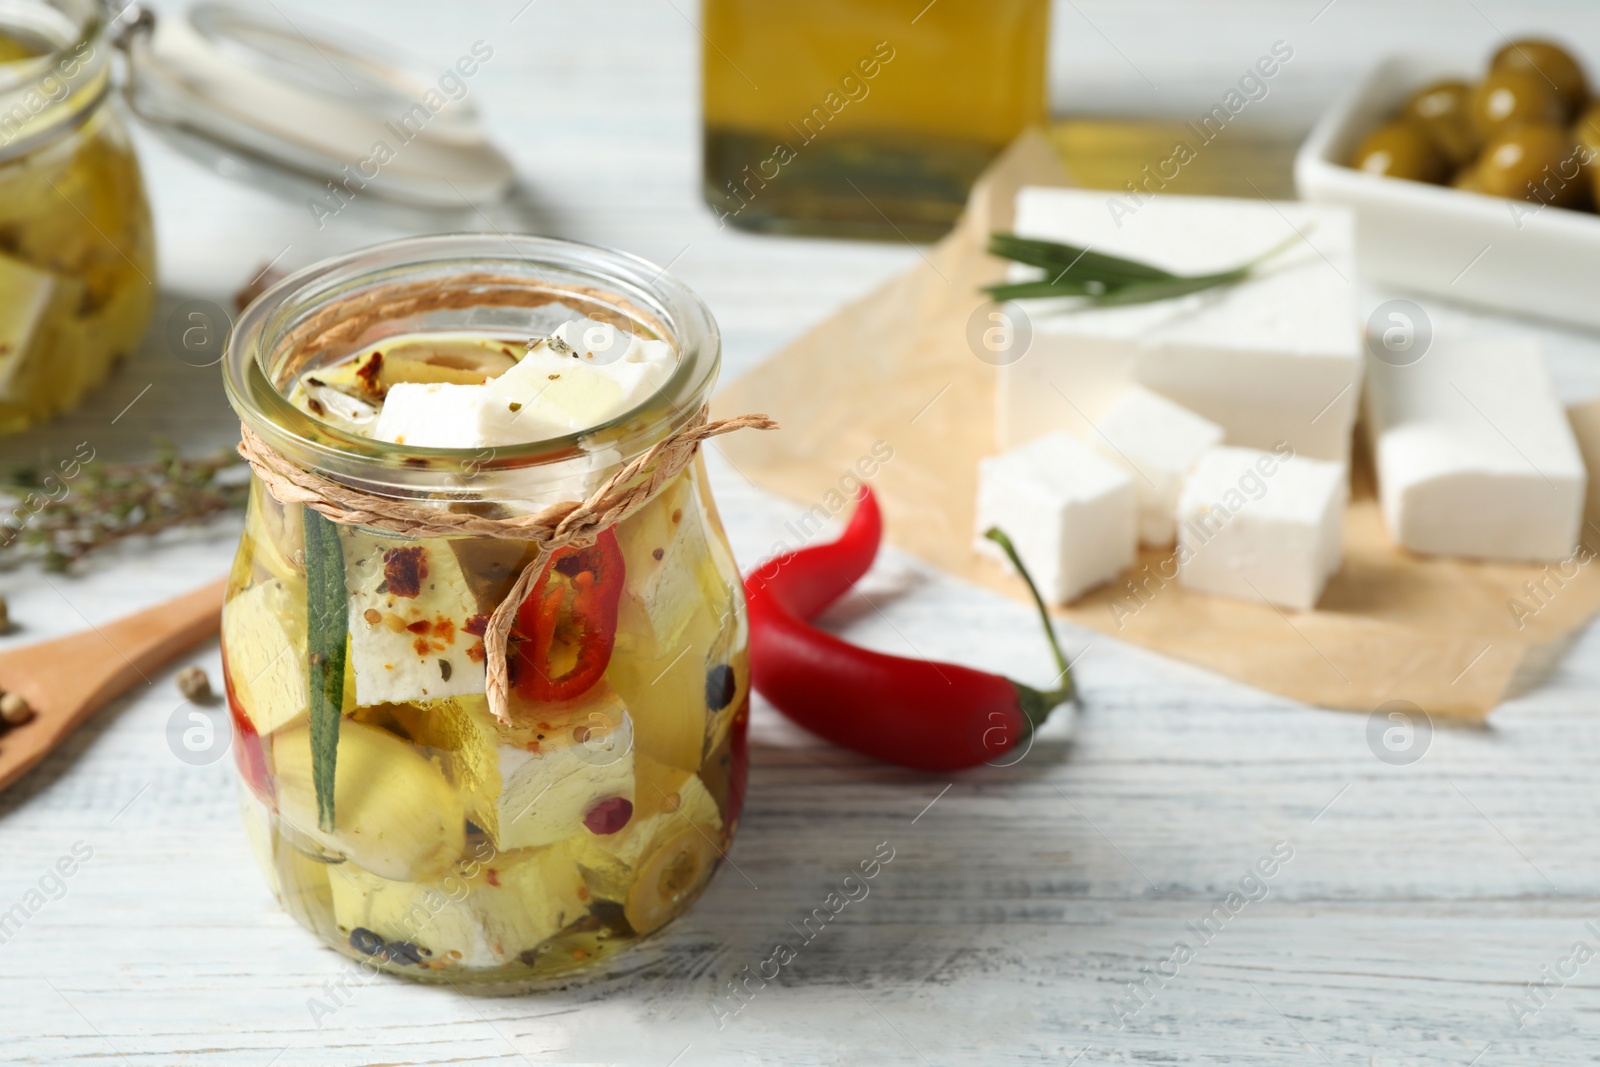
point(895, 367)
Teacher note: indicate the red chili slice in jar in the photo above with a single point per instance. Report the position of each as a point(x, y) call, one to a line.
point(248, 752)
point(567, 626)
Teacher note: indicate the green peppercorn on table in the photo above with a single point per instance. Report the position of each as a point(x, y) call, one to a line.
point(1344, 891)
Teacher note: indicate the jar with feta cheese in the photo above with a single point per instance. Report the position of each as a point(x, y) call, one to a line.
point(77, 252)
point(393, 812)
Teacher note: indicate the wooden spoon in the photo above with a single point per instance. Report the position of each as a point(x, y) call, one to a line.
point(69, 679)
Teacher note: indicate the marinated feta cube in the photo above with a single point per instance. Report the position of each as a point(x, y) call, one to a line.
point(497, 907)
point(1475, 456)
point(535, 782)
point(1158, 443)
point(1274, 358)
point(1262, 526)
point(434, 415)
point(560, 387)
point(675, 610)
point(264, 648)
point(412, 613)
point(664, 549)
point(666, 800)
point(1072, 515)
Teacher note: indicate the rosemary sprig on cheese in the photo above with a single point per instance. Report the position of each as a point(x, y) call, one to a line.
point(1103, 280)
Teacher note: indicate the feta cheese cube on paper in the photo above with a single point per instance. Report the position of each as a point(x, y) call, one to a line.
point(1475, 456)
point(1158, 443)
point(1275, 358)
point(1072, 515)
point(410, 605)
point(1262, 526)
point(435, 415)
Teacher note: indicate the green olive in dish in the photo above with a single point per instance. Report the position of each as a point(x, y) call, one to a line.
point(1466, 179)
point(1534, 162)
point(1549, 62)
point(1440, 111)
point(1586, 137)
point(1400, 150)
point(1506, 99)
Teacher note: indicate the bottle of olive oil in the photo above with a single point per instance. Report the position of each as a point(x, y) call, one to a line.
point(863, 118)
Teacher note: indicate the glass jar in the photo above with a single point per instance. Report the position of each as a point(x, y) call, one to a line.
point(77, 252)
point(462, 848)
point(863, 118)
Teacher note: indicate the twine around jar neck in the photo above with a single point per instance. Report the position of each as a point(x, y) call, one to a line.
point(569, 523)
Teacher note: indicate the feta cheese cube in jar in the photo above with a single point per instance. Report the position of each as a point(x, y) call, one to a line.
point(438, 834)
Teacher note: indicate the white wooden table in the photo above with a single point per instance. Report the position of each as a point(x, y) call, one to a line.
point(1419, 901)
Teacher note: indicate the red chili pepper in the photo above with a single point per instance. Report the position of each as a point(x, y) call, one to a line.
point(568, 624)
point(918, 713)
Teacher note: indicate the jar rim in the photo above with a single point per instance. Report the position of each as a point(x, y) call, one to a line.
point(60, 88)
point(638, 288)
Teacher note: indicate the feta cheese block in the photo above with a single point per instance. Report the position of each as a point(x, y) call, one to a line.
point(1475, 456)
point(498, 907)
point(535, 782)
point(1072, 515)
point(1262, 526)
point(410, 610)
point(432, 415)
point(1275, 358)
point(584, 374)
point(263, 641)
point(1158, 443)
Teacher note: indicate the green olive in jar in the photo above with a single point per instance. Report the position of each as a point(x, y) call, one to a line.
point(1538, 163)
point(1551, 64)
point(1509, 98)
point(1440, 111)
point(1400, 150)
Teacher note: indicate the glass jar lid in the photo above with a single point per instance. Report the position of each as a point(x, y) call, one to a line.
point(309, 96)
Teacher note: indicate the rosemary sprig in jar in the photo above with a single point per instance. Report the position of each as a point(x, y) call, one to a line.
point(61, 515)
point(1103, 280)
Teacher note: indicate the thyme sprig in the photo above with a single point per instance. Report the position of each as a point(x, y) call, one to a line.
point(1103, 280)
point(61, 514)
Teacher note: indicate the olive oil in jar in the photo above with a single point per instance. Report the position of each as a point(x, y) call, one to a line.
point(863, 118)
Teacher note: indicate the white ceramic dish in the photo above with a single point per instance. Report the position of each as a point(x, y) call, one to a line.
point(1509, 255)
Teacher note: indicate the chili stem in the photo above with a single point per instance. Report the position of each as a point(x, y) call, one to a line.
point(1066, 690)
